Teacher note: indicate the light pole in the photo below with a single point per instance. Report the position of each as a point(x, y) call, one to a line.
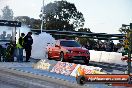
point(42, 18)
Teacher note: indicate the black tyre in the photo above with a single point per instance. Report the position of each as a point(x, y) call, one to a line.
point(86, 62)
point(61, 56)
point(81, 80)
point(71, 61)
point(48, 56)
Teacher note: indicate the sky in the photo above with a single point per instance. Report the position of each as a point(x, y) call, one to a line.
point(101, 16)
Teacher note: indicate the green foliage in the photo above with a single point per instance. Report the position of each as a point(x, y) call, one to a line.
point(84, 30)
point(35, 23)
point(124, 31)
point(23, 19)
point(7, 13)
point(62, 15)
point(31, 22)
point(125, 28)
point(85, 40)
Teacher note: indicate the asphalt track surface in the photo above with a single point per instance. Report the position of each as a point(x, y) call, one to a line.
point(15, 79)
point(109, 68)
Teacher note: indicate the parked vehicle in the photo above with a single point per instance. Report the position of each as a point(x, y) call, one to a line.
point(68, 50)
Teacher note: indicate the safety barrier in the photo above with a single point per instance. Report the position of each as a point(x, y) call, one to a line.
point(86, 70)
point(95, 55)
point(108, 57)
point(105, 56)
point(65, 68)
point(116, 58)
point(44, 65)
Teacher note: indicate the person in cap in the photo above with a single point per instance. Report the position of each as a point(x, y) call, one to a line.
point(28, 41)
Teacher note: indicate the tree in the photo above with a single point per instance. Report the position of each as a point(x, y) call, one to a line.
point(7, 13)
point(84, 40)
point(35, 23)
point(24, 19)
point(124, 31)
point(31, 22)
point(84, 30)
point(62, 15)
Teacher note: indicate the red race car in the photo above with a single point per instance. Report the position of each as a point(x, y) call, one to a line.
point(68, 50)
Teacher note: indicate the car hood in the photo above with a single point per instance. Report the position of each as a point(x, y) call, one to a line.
point(76, 48)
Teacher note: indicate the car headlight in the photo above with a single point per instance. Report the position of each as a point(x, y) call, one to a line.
point(69, 51)
point(88, 52)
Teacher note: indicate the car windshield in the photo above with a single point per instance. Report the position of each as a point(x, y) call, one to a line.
point(69, 44)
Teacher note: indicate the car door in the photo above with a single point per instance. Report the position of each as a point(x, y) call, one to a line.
point(56, 50)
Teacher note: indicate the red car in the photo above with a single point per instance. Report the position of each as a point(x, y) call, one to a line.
point(68, 50)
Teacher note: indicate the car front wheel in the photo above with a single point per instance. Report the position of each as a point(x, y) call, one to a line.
point(86, 62)
point(61, 56)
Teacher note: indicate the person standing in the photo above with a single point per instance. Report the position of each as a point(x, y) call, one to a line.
point(20, 46)
point(28, 41)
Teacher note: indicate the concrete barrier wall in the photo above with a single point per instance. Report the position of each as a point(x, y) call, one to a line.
point(116, 58)
point(107, 57)
point(95, 55)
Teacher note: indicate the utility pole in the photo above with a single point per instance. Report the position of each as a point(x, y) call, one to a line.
point(14, 35)
point(42, 18)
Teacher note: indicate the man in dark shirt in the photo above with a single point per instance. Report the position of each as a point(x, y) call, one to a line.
point(28, 41)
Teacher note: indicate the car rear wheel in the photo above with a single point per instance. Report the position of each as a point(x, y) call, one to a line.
point(62, 56)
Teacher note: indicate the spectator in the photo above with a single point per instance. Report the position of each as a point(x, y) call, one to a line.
point(111, 46)
point(20, 46)
point(28, 41)
point(103, 47)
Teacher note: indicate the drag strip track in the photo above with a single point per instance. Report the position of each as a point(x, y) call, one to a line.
point(109, 66)
point(4, 84)
point(27, 80)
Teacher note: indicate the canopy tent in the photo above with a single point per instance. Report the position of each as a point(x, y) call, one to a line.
point(11, 24)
